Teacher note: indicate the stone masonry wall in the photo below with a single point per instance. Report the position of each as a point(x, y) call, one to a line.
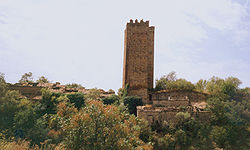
point(28, 91)
point(161, 114)
point(170, 103)
point(138, 67)
point(193, 96)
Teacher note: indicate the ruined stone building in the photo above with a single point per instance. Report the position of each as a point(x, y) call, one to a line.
point(166, 104)
point(138, 71)
point(32, 91)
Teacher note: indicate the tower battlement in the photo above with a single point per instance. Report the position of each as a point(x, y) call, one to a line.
point(137, 23)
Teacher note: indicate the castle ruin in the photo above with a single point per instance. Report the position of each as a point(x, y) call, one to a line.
point(138, 74)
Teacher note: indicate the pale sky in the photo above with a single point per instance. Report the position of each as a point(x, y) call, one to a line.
point(81, 41)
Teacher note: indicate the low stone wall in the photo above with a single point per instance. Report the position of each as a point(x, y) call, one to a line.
point(193, 96)
point(161, 114)
point(28, 91)
point(172, 103)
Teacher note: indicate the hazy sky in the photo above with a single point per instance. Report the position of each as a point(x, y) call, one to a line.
point(82, 41)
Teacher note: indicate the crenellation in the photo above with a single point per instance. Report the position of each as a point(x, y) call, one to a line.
point(140, 23)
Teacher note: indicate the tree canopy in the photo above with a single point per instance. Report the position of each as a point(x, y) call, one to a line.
point(42, 79)
point(74, 85)
point(26, 78)
point(170, 82)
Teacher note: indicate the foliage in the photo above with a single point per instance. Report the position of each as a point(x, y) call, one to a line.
point(77, 99)
point(18, 145)
point(224, 89)
point(186, 133)
point(65, 111)
point(74, 85)
point(97, 126)
point(162, 83)
point(49, 101)
point(93, 94)
point(26, 145)
point(19, 118)
point(132, 102)
point(170, 82)
point(3, 85)
point(42, 79)
point(113, 99)
point(230, 129)
point(219, 136)
point(201, 85)
point(24, 118)
point(123, 92)
point(26, 78)
point(111, 91)
point(8, 108)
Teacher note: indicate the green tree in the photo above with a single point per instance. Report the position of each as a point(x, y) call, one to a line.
point(167, 141)
point(113, 99)
point(42, 79)
point(56, 122)
point(214, 85)
point(97, 126)
point(122, 93)
point(161, 84)
point(24, 118)
point(230, 87)
point(201, 85)
point(26, 78)
point(235, 81)
point(182, 140)
point(3, 85)
point(227, 89)
point(77, 99)
point(186, 130)
point(230, 128)
point(111, 91)
point(242, 95)
point(49, 101)
point(132, 102)
point(219, 136)
point(8, 108)
point(181, 84)
point(170, 82)
point(74, 85)
point(20, 120)
point(183, 133)
point(93, 94)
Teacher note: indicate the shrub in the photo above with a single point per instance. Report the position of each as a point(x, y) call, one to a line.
point(111, 100)
point(131, 102)
point(77, 99)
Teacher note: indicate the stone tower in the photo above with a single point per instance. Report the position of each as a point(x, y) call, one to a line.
point(138, 65)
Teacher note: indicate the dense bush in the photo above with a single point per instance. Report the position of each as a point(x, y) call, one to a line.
point(131, 102)
point(99, 126)
point(114, 99)
point(77, 99)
